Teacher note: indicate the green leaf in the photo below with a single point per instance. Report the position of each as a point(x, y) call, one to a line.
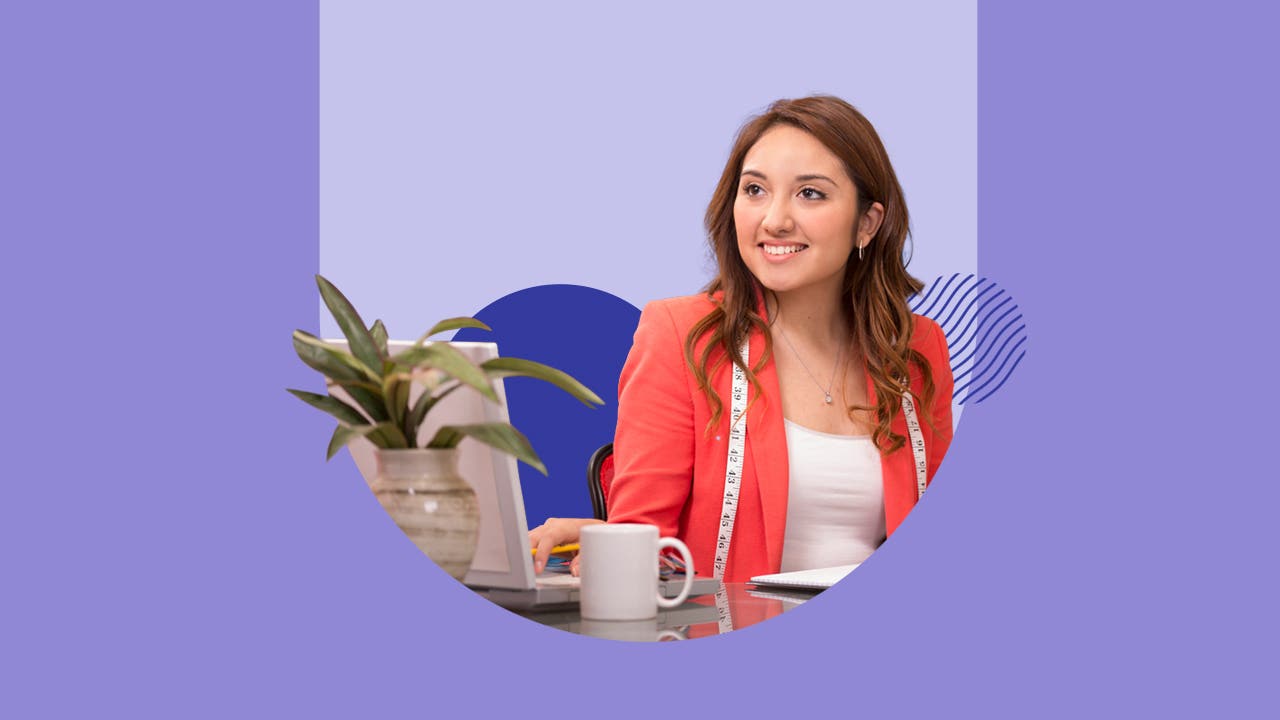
point(444, 356)
point(386, 435)
point(341, 436)
point(367, 395)
point(379, 333)
point(353, 328)
point(508, 367)
point(499, 436)
point(345, 414)
point(446, 438)
point(452, 324)
point(334, 363)
point(395, 393)
point(425, 402)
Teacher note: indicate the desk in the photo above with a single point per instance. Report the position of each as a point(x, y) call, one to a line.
point(698, 617)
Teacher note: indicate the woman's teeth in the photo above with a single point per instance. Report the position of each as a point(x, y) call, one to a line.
point(783, 249)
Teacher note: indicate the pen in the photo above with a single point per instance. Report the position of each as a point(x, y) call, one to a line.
point(571, 547)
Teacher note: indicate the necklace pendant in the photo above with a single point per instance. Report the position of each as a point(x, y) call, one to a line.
point(828, 398)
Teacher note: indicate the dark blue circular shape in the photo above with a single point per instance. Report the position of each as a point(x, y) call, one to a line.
point(586, 333)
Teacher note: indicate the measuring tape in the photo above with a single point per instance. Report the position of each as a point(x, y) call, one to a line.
point(917, 443)
point(737, 448)
point(724, 618)
point(733, 468)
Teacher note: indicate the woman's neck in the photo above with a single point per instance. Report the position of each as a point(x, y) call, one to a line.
point(817, 314)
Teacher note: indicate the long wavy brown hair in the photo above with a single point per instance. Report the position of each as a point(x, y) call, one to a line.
point(876, 287)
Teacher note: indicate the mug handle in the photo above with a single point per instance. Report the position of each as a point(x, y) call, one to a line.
point(688, 572)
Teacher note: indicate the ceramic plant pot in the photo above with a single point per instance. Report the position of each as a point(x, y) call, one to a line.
point(424, 494)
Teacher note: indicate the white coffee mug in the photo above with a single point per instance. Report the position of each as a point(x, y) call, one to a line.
point(619, 568)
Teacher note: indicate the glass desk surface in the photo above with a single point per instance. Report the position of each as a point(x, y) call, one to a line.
point(736, 606)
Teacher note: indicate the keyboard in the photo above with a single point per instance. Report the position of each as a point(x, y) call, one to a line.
point(559, 581)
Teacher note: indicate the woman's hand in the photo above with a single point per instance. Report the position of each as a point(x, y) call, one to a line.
point(556, 531)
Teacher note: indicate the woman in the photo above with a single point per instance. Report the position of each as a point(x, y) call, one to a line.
point(808, 225)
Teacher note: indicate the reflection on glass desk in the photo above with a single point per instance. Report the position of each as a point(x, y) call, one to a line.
point(736, 606)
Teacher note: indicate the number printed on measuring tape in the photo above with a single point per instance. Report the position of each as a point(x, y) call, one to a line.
point(724, 618)
point(733, 466)
point(917, 443)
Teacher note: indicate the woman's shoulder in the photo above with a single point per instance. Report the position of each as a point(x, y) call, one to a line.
point(657, 349)
point(682, 312)
point(927, 336)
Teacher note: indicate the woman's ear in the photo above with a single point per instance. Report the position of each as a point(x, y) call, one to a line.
point(869, 224)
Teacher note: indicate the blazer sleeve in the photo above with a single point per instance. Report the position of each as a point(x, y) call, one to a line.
point(944, 387)
point(654, 443)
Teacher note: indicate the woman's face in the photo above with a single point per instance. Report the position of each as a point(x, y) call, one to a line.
point(796, 211)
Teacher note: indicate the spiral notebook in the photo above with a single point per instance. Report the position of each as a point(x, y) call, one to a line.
point(819, 579)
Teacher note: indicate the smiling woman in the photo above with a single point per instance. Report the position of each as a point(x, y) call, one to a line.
point(826, 444)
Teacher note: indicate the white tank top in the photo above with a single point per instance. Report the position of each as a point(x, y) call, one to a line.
point(835, 500)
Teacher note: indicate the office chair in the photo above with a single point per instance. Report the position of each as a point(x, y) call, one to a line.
point(599, 475)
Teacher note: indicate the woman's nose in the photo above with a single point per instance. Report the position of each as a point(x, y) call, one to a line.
point(777, 219)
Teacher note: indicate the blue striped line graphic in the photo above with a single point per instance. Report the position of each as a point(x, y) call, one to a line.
point(985, 331)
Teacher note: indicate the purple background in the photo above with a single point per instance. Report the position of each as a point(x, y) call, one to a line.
point(1099, 542)
point(582, 140)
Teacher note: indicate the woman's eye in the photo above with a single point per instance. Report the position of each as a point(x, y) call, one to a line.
point(752, 189)
point(813, 194)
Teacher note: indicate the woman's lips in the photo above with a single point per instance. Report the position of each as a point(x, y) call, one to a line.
point(781, 252)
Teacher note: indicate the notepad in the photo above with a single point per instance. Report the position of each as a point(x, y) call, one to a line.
point(790, 597)
point(818, 579)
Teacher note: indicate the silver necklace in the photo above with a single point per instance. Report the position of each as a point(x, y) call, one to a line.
point(830, 383)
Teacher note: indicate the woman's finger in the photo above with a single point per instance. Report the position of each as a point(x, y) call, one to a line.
point(545, 543)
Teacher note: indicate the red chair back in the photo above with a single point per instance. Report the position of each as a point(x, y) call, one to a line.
point(599, 477)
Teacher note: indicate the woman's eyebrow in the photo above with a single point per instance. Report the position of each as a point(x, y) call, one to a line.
point(807, 178)
point(799, 178)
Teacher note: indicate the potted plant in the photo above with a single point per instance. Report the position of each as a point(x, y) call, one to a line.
point(369, 394)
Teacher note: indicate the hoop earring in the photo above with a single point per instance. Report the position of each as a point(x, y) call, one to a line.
point(859, 252)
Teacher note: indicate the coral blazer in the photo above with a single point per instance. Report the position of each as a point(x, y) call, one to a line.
point(669, 472)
